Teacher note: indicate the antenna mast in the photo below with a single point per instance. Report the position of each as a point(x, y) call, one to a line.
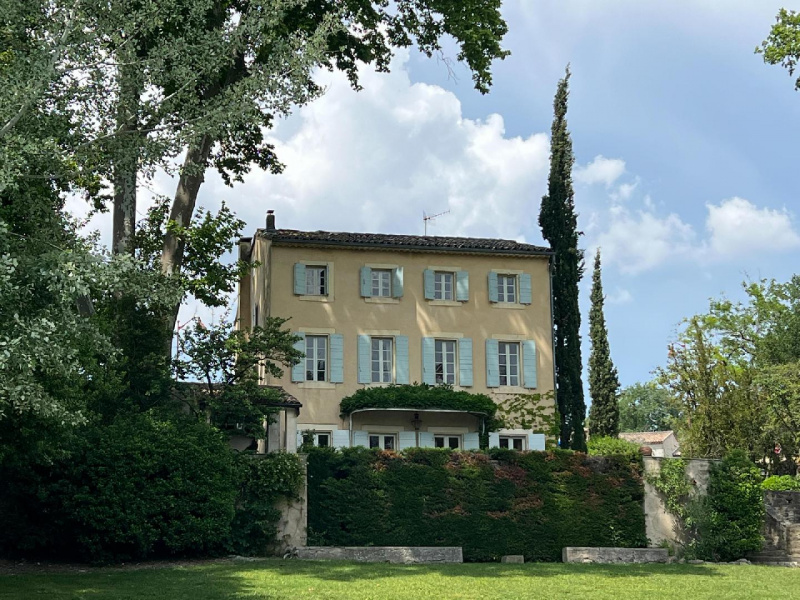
point(426, 217)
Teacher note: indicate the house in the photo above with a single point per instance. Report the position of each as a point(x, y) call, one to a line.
point(664, 444)
point(375, 310)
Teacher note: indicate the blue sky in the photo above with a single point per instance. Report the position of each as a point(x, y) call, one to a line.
point(685, 145)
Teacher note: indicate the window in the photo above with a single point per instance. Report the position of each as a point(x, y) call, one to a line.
point(316, 281)
point(507, 288)
point(443, 288)
point(381, 283)
point(316, 357)
point(515, 442)
point(508, 355)
point(447, 441)
point(322, 439)
point(445, 361)
point(381, 440)
point(382, 360)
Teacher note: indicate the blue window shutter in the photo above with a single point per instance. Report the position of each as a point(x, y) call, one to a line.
point(492, 286)
point(364, 363)
point(401, 359)
point(341, 438)
point(397, 284)
point(462, 286)
point(471, 441)
point(425, 439)
point(299, 370)
point(494, 440)
point(406, 439)
point(366, 282)
point(535, 441)
point(361, 438)
point(299, 279)
point(428, 361)
point(337, 358)
point(492, 364)
point(465, 362)
point(529, 364)
point(525, 291)
point(429, 284)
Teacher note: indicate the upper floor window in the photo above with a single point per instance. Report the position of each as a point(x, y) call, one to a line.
point(382, 364)
point(382, 283)
point(316, 357)
point(508, 355)
point(507, 288)
point(316, 280)
point(443, 288)
point(445, 361)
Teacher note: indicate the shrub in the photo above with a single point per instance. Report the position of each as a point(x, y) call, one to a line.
point(781, 483)
point(611, 446)
point(490, 504)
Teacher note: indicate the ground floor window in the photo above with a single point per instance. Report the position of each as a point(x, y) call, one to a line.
point(514, 442)
point(447, 441)
point(382, 440)
point(322, 439)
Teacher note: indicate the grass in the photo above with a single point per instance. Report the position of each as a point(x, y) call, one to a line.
point(278, 579)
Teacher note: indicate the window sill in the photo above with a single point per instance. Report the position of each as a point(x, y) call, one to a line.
point(509, 305)
point(376, 384)
point(445, 303)
point(316, 385)
point(382, 300)
point(316, 298)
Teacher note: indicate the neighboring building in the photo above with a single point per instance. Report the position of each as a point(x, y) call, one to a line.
point(663, 443)
point(376, 309)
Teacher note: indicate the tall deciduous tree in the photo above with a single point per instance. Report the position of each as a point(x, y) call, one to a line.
point(647, 407)
point(603, 379)
point(782, 46)
point(559, 224)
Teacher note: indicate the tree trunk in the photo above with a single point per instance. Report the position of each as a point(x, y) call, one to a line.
point(192, 176)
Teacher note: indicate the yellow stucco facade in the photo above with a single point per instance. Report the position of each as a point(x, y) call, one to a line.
point(269, 290)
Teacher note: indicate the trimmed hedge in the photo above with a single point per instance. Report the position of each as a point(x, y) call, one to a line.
point(503, 502)
point(418, 396)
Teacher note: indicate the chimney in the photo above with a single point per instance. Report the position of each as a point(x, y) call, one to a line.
point(270, 220)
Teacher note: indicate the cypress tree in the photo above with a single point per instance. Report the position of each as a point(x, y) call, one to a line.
point(559, 224)
point(603, 380)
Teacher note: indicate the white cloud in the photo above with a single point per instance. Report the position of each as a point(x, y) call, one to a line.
point(620, 296)
point(737, 227)
point(600, 170)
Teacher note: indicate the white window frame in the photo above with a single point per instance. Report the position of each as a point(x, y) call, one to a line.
point(382, 437)
point(326, 433)
point(317, 280)
point(440, 281)
point(381, 284)
point(510, 439)
point(447, 439)
point(320, 343)
point(507, 288)
point(448, 371)
point(505, 366)
point(382, 367)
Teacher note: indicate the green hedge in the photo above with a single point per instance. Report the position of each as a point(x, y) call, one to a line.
point(781, 483)
point(503, 502)
point(418, 396)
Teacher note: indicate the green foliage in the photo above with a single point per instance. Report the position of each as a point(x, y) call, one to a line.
point(532, 412)
point(559, 223)
point(647, 407)
point(782, 47)
point(781, 483)
point(612, 446)
point(264, 480)
point(419, 396)
point(671, 481)
point(504, 502)
point(603, 379)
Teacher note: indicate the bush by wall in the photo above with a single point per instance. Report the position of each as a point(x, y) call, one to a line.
point(503, 502)
point(612, 446)
point(781, 483)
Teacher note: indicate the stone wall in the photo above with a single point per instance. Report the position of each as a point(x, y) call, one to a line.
point(293, 523)
point(614, 555)
point(388, 554)
point(661, 524)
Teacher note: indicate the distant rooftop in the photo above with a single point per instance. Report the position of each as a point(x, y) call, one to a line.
point(403, 242)
point(646, 437)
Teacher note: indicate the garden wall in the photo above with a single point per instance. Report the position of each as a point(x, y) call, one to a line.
point(495, 504)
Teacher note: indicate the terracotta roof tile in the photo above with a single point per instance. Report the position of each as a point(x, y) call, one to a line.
point(646, 437)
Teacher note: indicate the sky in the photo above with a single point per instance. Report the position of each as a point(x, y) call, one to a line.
point(685, 145)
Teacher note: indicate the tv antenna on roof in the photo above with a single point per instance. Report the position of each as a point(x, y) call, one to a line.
point(426, 217)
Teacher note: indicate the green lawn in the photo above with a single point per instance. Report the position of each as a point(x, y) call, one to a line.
point(278, 579)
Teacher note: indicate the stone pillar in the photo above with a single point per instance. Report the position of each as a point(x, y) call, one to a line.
point(274, 434)
point(292, 527)
point(291, 430)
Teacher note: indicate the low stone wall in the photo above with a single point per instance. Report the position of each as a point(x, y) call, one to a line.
point(661, 525)
point(387, 554)
point(614, 555)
